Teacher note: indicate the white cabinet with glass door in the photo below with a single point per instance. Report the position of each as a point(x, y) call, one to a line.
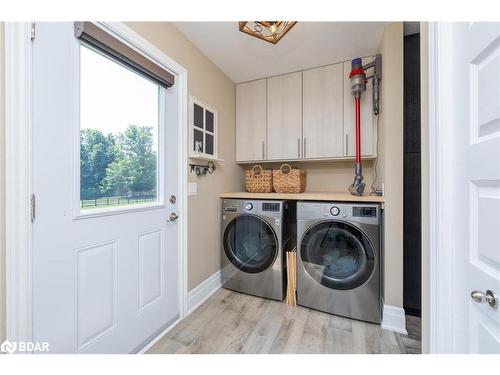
point(203, 130)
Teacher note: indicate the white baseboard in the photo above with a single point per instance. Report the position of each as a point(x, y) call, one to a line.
point(203, 291)
point(393, 319)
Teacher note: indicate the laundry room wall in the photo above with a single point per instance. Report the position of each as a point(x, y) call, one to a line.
point(209, 84)
point(391, 159)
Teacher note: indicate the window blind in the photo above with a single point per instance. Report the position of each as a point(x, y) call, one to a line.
point(107, 43)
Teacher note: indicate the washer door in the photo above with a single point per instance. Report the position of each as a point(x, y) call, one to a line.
point(337, 255)
point(250, 244)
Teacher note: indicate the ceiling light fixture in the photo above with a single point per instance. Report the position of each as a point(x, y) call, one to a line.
point(270, 31)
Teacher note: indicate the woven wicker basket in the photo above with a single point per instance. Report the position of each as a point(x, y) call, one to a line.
point(289, 180)
point(258, 180)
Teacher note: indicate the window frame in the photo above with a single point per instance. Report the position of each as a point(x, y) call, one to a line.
point(192, 152)
point(160, 201)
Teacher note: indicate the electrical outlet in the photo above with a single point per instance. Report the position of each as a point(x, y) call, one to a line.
point(192, 188)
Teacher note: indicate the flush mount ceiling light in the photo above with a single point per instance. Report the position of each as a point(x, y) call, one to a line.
point(270, 31)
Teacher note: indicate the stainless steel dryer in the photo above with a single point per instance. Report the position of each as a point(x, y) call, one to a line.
point(255, 234)
point(339, 258)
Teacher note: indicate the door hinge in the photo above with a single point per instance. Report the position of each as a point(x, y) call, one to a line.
point(32, 30)
point(33, 207)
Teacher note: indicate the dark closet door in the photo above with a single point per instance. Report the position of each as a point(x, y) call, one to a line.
point(412, 178)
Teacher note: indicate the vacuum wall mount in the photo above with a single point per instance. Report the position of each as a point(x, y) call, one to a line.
point(358, 87)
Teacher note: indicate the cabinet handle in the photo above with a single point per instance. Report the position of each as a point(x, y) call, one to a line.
point(298, 147)
point(304, 147)
point(263, 147)
point(346, 144)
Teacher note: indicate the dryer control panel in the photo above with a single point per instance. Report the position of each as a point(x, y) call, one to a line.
point(368, 213)
point(359, 211)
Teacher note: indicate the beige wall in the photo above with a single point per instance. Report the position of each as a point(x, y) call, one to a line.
point(331, 176)
point(424, 116)
point(2, 185)
point(391, 159)
point(210, 85)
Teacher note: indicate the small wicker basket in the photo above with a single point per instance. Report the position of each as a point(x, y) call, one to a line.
point(289, 180)
point(258, 180)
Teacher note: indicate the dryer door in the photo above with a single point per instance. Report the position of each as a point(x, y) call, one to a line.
point(337, 255)
point(250, 244)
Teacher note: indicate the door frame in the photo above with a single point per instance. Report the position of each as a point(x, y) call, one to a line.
point(19, 168)
point(440, 220)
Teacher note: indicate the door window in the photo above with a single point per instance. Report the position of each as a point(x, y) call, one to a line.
point(337, 255)
point(250, 244)
point(119, 134)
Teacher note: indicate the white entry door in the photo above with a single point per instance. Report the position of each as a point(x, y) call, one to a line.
point(472, 103)
point(105, 159)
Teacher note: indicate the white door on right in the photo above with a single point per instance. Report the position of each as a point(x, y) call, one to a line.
point(474, 89)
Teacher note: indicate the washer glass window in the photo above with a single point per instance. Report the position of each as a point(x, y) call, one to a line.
point(337, 255)
point(250, 244)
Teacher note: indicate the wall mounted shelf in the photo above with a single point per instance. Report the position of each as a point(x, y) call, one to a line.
point(204, 157)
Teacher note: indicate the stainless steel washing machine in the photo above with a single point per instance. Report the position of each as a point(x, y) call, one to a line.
point(339, 258)
point(255, 234)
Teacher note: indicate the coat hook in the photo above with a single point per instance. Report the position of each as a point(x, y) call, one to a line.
point(201, 170)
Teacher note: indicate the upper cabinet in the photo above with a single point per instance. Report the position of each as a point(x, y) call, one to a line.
point(323, 127)
point(284, 117)
point(368, 119)
point(203, 130)
point(305, 115)
point(251, 119)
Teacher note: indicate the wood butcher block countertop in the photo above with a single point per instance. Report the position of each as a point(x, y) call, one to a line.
point(309, 196)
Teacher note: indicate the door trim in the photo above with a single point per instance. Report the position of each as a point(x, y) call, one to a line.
point(18, 181)
point(441, 255)
point(18, 168)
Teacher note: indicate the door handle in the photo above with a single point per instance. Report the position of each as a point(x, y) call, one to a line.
point(172, 217)
point(480, 297)
point(298, 147)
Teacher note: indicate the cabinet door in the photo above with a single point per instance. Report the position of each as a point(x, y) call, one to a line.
point(368, 120)
point(323, 112)
point(284, 116)
point(251, 120)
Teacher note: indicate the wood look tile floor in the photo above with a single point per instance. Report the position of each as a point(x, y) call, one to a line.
point(231, 322)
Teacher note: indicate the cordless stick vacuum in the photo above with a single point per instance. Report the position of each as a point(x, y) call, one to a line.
point(358, 86)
